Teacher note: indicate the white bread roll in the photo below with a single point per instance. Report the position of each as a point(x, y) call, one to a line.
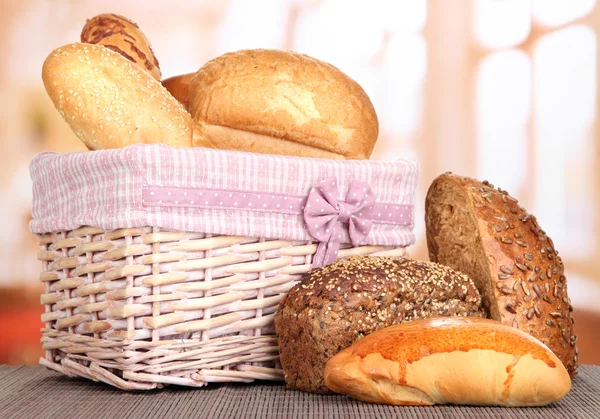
point(280, 102)
point(449, 360)
point(110, 102)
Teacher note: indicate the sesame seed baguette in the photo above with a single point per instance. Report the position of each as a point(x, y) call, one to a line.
point(335, 305)
point(110, 102)
point(483, 232)
point(449, 361)
point(123, 36)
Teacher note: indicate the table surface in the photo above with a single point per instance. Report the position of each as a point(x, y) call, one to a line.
point(36, 392)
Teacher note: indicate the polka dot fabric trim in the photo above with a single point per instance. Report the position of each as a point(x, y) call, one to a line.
point(161, 196)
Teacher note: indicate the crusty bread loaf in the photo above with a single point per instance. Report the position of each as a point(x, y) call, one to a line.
point(305, 106)
point(449, 361)
point(179, 87)
point(123, 36)
point(337, 304)
point(483, 232)
point(109, 102)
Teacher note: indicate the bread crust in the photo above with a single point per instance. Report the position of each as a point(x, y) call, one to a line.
point(179, 87)
point(124, 37)
point(511, 259)
point(285, 95)
point(110, 102)
point(449, 360)
point(233, 139)
point(337, 304)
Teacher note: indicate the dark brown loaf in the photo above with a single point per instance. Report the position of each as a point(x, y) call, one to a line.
point(110, 102)
point(483, 232)
point(122, 36)
point(337, 304)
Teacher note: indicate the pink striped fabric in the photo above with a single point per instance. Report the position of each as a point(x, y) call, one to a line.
point(106, 189)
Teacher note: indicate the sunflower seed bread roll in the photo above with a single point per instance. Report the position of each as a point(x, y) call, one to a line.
point(110, 102)
point(483, 232)
point(282, 102)
point(124, 37)
point(449, 361)
point(339, 303)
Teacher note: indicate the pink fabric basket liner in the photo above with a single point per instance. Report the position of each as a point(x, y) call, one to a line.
point(213, 191)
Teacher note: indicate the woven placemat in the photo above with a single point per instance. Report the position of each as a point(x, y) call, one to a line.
point(35, 392)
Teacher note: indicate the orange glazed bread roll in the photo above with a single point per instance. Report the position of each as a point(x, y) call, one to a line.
point(449, 360)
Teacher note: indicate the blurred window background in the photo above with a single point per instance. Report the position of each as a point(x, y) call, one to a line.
point(503, 90)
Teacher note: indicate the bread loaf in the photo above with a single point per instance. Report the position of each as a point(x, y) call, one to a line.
point(179, 87)
point(123, 36)
point(281, 102)
point(110, 102)
point(483, 232)
point(449, 361)
point(337, 304)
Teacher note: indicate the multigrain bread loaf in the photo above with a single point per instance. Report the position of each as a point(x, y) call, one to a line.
point(339, 303)
point(179, 87)
point(449, 360)
point(122, 36)
point(281, 102)
point(485, 233)
point(110, 102)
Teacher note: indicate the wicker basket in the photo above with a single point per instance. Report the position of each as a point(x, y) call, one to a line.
point(143, 306)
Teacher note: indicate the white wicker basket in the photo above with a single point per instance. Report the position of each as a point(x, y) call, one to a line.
point(141, 301)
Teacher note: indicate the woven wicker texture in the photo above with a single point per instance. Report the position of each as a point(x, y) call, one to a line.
point(140, 308)
point(34, 392)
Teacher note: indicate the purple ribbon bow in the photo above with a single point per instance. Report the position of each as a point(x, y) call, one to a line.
point(324, 216)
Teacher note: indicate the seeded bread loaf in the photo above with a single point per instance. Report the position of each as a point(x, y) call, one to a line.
point(449, 360)
point(483, 232)
point(339, 303)
point(124, 37)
